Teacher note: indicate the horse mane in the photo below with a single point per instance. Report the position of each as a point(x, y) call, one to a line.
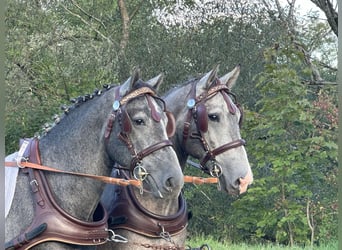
point(75, 103)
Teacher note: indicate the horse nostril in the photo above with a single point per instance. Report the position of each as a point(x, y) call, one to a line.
point(237, 183)
point(243, 184)
point(170, 184)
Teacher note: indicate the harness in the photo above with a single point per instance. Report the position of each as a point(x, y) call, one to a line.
point(51, 222)
point(119, 112)
point(128, 214)
point(197, 111)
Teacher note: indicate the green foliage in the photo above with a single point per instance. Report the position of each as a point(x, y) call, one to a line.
point(58, 50)
point(295, 156)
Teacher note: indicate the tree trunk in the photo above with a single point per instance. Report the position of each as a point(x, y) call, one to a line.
point(331, 14)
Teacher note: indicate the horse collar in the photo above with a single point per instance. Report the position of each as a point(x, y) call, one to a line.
point(128, 214)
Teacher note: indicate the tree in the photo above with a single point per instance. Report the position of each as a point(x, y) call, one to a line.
point(58, 50)
point(296, 159)
point(330, 12)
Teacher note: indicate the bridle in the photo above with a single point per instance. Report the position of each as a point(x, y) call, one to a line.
point(119, 112)
point(128, 213)
point(197, 111)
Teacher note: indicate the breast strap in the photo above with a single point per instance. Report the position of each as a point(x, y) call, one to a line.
point(128, 214)
point(51, 222)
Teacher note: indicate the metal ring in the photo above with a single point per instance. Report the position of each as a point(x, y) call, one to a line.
point(139, 172)
point(216, 170)
point(19, 160)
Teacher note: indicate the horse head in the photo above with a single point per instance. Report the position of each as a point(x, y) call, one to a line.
point(137, 139)
point(208, 121)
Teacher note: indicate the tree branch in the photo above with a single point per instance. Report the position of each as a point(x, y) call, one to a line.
point(330, 12)
point(125, 24)
point(87, 14)
point(310, 221)
point(87, 23)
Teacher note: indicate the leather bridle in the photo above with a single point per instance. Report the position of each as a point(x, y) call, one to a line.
point(119, 111)
point(197, 112)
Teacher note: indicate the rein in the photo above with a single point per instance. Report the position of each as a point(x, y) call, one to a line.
point(106, 179)
point(111, 180)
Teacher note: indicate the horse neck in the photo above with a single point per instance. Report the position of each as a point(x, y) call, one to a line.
point(176, 102)
point(77, 144)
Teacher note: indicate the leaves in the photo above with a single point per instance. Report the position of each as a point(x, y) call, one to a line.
point(291, 156)
point(58, 50)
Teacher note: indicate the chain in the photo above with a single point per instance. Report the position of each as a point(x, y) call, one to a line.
point(159, 247)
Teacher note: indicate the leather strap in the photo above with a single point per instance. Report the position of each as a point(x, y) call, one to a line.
point(106, 179)
point(137, 157)
point(200, 180)
point(52, 223)
point(130, 215)
point(221, 149)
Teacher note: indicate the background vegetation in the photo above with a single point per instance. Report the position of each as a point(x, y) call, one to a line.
point(57, 50)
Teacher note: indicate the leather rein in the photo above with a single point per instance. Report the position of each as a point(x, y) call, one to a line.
point(197, 112)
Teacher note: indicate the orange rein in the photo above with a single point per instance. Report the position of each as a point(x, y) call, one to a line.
point(107, 179)
point(200, 180)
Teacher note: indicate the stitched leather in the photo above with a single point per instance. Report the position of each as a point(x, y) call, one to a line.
point(61, 226)
point(130, 215)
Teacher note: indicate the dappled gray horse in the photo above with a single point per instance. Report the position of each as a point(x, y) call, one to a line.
point(207, 128)
point(146, 219)
point(124, 125)
point(208, 120)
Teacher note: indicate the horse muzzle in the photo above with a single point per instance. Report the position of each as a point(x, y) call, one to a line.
point(245, 182)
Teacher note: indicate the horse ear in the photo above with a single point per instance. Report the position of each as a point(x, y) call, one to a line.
point(230, 78)
point(156, 81)
point(204, 83)
point(128, 85)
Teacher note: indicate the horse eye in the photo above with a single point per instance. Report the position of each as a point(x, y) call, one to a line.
point(139, 122)
point(214, 118)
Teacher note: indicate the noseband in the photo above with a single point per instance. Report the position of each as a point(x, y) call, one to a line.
point(119, 112)
point(198, 112)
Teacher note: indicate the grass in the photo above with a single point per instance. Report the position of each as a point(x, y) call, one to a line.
point(215, 245)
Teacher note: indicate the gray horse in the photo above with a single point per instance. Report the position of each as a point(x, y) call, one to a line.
point(146, 219)
point(209, 133)
point(92, 136)
point(208, 121)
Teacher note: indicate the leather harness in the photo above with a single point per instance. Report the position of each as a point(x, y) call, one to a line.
point(129, 214)
point(51, 222)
